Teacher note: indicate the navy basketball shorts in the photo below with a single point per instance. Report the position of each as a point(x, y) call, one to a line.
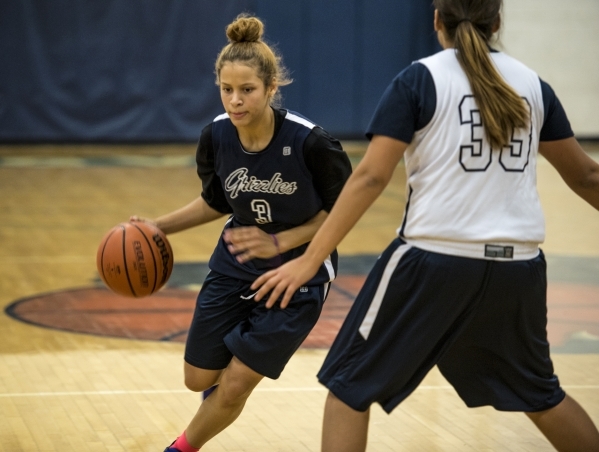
point(228, 322)
point(482, 322)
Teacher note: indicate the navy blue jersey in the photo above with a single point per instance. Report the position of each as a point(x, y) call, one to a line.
point(299, 173)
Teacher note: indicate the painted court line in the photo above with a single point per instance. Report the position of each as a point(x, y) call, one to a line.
point(184, 391)
point(141, 391)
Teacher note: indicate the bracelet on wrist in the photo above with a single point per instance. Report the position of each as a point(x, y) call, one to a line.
point(276, 242)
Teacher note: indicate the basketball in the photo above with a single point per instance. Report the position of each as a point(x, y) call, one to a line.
point(135, 259)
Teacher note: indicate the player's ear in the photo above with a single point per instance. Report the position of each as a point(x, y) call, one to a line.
point(437, 21)
point(497, 24)
point(272, 89)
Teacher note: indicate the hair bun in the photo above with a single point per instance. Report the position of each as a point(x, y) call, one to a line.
point(245, 29)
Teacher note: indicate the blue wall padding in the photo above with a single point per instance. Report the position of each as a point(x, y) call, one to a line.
point(124, 71)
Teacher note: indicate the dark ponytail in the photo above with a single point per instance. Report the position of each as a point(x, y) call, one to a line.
point(470, 25)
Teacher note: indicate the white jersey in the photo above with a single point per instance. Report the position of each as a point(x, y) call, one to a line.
point(461, 190)
point(465, 198)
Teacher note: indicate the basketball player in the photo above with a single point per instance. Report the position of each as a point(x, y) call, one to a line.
point(463, 286)
point(277, 175)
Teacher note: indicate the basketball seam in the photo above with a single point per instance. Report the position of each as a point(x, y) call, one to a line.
point(153, 256)
point(102, 258)
point(124, 241)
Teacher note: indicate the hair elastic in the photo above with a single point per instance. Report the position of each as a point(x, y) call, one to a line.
point(276, 242)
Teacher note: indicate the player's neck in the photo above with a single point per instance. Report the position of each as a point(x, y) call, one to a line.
point(256, 137)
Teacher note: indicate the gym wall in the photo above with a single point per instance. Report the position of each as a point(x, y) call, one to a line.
point(116, 71)
point(560, 41)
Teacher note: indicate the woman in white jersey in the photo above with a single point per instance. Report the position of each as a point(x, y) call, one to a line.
point(276, 175)
point(464, 285)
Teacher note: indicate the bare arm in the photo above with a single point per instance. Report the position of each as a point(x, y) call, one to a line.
point(363, 187)
point(577, 169)
point(250, 241)
point(195, 213)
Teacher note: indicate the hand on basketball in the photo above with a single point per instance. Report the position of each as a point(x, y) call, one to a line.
point(134, 218)
point(284, 281)
point(249, 242)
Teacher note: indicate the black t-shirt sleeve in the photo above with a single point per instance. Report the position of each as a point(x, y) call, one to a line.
point(407, 105)
point(328, 163)
point(555, 123)
point(212, 189)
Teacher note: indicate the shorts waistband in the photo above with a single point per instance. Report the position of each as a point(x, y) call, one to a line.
point(497, 251)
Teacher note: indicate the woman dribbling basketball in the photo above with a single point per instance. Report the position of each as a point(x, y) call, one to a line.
point(277, 175)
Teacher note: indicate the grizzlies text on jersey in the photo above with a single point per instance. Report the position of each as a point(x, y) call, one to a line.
point(299, 173)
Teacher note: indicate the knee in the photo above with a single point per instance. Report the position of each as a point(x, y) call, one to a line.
point(233, 393)
point(237, 383)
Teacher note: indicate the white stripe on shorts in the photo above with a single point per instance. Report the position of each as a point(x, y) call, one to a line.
point(328, 263)
point(375, 305)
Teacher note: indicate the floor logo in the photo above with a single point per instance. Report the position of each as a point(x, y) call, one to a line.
point(165, 316)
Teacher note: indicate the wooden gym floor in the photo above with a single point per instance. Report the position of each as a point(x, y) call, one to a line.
point(83, 370)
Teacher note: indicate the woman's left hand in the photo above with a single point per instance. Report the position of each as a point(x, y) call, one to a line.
point(284, 281)
point(249, 242)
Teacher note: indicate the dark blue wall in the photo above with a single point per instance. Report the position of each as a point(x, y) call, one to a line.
point(120, 71)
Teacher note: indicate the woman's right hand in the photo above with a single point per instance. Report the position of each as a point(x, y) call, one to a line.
point(134, 218)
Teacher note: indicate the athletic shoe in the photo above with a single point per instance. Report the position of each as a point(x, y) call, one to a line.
point(208, 391)
point(171, 449)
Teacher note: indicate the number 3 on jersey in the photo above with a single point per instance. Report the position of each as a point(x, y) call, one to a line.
point(476, 156)
point(262, 209)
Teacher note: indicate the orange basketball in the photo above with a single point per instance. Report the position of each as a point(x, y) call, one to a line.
point(135, 259)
